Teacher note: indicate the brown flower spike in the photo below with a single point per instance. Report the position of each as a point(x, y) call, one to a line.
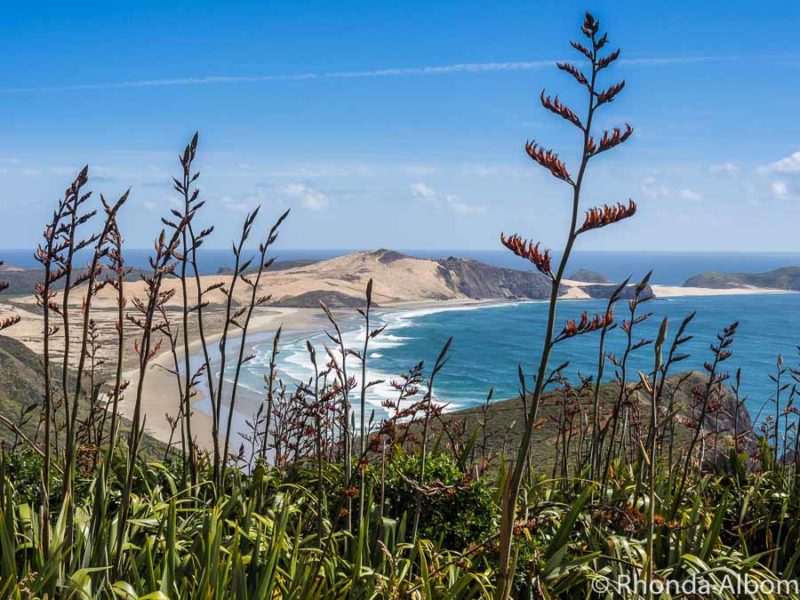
point(606, 215)
point(555, 106)
point(549, 160)
point(609, 140)
point(610, 93)
point(574, 71)
point(586, 324)
point(530, 251)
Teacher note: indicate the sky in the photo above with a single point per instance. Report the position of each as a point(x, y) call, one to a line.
point(403, 124)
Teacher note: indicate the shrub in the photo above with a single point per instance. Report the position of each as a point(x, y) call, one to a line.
point(457, 509)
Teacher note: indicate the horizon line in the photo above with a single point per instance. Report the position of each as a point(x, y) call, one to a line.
point(498, 249)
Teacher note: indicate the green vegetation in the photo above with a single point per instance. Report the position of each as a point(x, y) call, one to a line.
point(785, 278)
point(20, 389)
point(588, 276)
point(565, 491)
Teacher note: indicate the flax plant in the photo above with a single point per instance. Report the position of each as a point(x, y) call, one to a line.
point(190, 197)
point(626, 389)
point(345, 385)
point(270, 379)
point(93, 284)
point(435, 517)
point(595, 217)
point(255, 300)
point(49, 255)
point(241, 264)
point(146, 320)
point(116, 279)
point(704, 396)
point(365, 385)
point(594, 447)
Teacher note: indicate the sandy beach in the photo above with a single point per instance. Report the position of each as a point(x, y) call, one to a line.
point(161, 395)
point(674, 291)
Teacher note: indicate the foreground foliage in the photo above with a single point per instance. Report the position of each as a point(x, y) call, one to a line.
point(259, 538)
point(641, 483)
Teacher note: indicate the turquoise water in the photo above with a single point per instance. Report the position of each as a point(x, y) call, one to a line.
point(490, 342)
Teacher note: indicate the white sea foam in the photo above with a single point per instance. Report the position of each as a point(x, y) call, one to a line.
point(294, 362)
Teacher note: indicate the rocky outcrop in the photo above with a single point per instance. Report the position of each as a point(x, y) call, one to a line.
point(588, 276)
point(725, 416)
point(479, 281)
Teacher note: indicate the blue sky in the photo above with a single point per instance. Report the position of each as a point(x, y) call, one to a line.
point(402, 124)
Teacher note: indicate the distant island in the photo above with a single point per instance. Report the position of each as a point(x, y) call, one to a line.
point(785, 278)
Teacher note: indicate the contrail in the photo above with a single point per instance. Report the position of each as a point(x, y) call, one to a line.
point(490, 67)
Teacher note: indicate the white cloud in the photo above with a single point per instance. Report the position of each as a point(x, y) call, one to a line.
point(429, 70)
point(450, 202)
point(422, 190)
point(311, 198)
point(789, 164)
point(653, 190)
point(421, 170)
point(726, 168)
point(463, 208)
point(687, 194)
point(779, 189)
point(241, 205)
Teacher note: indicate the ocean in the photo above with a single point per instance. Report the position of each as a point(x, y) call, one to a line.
point(669, 268)
point(490, 342)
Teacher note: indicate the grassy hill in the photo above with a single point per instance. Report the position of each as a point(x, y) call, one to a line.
point(22, 392)
point(785, 278)
point(505, 419)
point(21, 386)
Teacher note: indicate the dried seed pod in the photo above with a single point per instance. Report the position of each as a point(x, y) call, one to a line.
point(549, 160)
point(614, 138)
point(606, 215)
point(586, 324)
point(555, 106)
point(529, 251)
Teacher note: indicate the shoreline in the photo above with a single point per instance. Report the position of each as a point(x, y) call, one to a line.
point(161, 396)
point(678, 291)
